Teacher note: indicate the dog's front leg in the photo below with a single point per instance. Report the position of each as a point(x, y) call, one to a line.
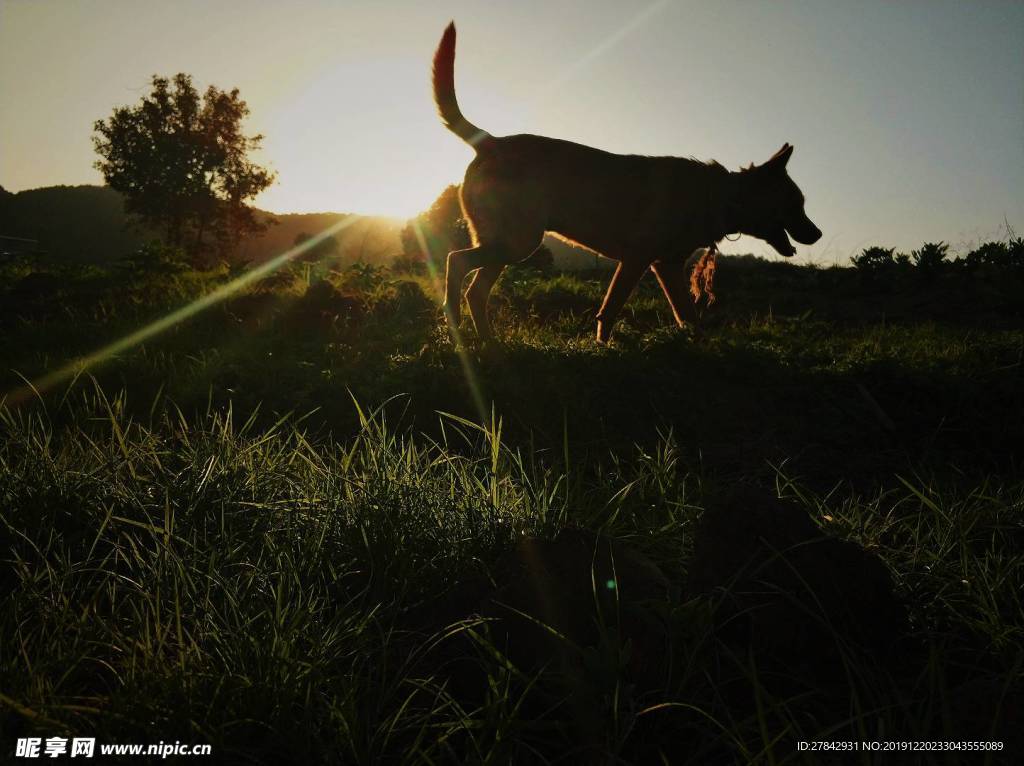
point(623, 282)
point(675, 283)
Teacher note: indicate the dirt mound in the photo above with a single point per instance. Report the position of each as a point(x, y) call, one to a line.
point(556, 598)
point(789, 592)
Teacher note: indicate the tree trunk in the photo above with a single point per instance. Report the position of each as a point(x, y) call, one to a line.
point(197, 246)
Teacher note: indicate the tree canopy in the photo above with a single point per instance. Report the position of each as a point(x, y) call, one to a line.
point(182, 163)
point(434, 233)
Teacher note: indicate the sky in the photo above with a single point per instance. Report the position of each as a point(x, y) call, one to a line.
point(907, 117)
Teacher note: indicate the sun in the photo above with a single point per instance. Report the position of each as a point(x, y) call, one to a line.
point(405, 198)
point(408, 200)
point(361, 136)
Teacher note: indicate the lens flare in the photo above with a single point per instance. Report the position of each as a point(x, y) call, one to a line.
point(472, 380)
point(556, 83)
point(77, 366)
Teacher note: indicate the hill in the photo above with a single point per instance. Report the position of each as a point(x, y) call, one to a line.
point(372, 239)
point(82, 224)
point(87, 224)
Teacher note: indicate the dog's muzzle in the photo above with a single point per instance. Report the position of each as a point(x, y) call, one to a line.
point(804, 232)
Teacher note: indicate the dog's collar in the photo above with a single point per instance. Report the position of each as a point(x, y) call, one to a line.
point(729, 211)
point(731, 218)
point(728, 222)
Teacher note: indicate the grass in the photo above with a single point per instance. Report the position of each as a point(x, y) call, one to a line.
point(216, 540)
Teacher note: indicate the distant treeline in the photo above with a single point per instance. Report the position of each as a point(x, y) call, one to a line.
point(88, 225)
point(934, 258)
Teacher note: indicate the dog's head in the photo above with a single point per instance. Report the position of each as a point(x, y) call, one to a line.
point(772, 206)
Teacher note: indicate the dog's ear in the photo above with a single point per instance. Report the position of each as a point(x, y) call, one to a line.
point(780, 158)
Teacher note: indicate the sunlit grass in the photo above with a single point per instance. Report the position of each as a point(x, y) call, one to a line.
point(267, 527)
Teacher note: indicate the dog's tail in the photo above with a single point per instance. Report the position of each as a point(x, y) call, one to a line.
point(444, 93)
point(702, 278)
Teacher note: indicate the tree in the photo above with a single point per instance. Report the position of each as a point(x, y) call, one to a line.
point(182, 164)
point(431, 235)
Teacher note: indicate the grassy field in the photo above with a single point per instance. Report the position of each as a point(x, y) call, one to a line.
point(303, 526)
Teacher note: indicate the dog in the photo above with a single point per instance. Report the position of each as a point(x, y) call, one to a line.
point(640, 211)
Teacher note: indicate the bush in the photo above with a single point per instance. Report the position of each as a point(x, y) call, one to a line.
point(1015, 253)
point(930, 258)
point(409, 264)
point(875, 259)
point(989, 254)
point(156, 258)
point(406, 301)
point(363, 278)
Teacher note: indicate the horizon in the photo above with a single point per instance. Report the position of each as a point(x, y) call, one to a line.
point(881, 102)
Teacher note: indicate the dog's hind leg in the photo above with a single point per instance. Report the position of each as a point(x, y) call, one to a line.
point(672, 276)
point(460, 263)
point(476, 296)
point(623, 282)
